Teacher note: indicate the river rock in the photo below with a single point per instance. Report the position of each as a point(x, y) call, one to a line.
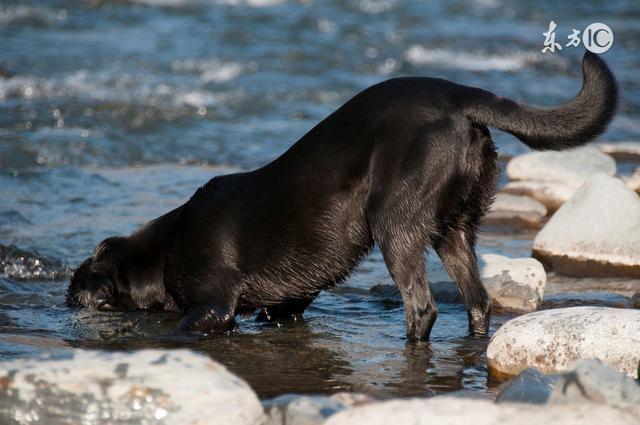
point(587, 382)
point(352, 399)
point(571, 167)
point(633, 182)
point(622, 151)
point(515, 284)
point(552, 340)
point(592, 382)
point(461, 411)
point(515, 210)
point(151, 386)
point(550, 194)
point(595, 233)
point(293, 409)
point(530, 386)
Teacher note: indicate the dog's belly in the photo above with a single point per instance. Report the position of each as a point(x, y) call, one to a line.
point(303, 262)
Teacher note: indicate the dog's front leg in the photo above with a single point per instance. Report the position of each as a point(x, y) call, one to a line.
point(207, 318)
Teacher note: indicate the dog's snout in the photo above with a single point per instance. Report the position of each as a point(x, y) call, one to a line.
point(104, 305)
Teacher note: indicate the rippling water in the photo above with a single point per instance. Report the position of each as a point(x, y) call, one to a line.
point(113, 112)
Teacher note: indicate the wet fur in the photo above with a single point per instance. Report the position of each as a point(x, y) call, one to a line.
point(408, 164)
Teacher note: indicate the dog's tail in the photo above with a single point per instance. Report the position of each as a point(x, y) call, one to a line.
point(562, 127)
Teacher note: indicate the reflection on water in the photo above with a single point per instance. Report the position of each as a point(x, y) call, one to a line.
point(358, 345)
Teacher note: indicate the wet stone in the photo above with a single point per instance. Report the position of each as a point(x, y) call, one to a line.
point(514, 284)
point(293, 409)
point(571, 167)
point(550, 194)
point(633, 182)
point(622, 151)
point(464, 411)
point(125, 388)
point(591, 382)
point(595, 233)
point(531, 386)
point(515, 211)
point(552, 340)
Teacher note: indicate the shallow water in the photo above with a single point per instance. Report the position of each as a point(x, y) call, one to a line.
point(112, 113)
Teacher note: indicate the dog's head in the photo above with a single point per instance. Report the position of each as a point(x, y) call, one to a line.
point(96, 283)
point(122, 274)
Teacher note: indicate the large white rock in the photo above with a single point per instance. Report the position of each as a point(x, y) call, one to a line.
point(595, 233)
point(151, 386)
point(550, 194)
point(552, 340)
point(461, 411)
point(623, 151)
point(515, 284)
point(515, 210)
point(571, 167)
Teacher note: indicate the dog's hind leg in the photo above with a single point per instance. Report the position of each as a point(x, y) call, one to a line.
point(456, 243)
point(456, 250)
point(407, 269)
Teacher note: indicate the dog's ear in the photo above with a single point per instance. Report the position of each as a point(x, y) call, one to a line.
point(79, 282)
point(107, 255)
point(146, 283)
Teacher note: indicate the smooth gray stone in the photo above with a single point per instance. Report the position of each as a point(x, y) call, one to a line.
point(531, 386)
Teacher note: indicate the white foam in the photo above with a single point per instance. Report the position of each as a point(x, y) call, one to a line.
point(250, 3)
point(212, 70)
point(163, 3)
point(131, 89)
point(17, 14)
point(471, 61)
point(376, 6)
point(25, 87)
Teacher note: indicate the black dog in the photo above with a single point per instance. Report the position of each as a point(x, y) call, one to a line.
point(408, 164)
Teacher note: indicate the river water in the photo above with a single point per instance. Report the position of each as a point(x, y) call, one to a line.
point(114, 112)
